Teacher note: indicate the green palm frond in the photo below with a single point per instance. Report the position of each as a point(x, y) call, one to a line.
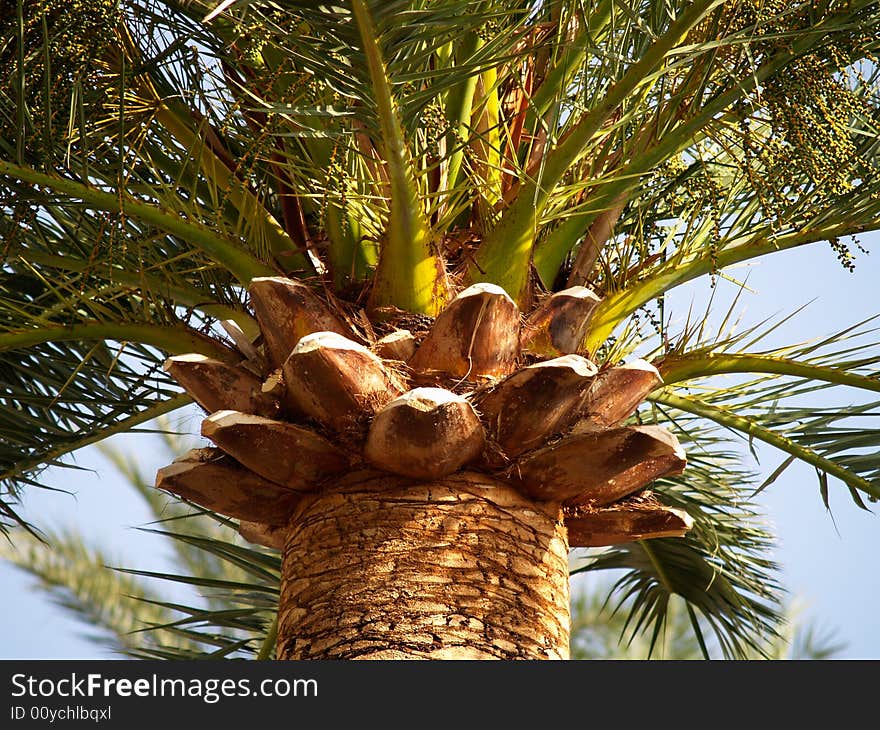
point(60, 397)
point(235, 588)
point(599, 630)
point(838, 442)
point(242, 601)
point(813, 642)
point(770, 395)
point(113, 606)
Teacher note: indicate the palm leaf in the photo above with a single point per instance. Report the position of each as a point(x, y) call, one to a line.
point(113, 606)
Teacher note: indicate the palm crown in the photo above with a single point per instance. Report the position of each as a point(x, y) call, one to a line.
point(158, 156)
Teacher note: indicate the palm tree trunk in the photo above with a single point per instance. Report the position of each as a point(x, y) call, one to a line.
point(383, 567)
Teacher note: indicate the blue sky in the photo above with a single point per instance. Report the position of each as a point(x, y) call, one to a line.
point(828, 564)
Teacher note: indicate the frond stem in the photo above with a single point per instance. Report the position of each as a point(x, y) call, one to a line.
point(749, 427)
point(174, 339)
point(676, 369)
point(238, 262)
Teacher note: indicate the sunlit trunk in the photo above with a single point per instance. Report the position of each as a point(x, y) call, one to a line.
point(384, 567)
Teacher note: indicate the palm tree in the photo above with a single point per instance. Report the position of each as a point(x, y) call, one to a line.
point(411, 258)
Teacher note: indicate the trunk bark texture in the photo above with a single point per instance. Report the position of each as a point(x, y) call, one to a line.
point(386, 567)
